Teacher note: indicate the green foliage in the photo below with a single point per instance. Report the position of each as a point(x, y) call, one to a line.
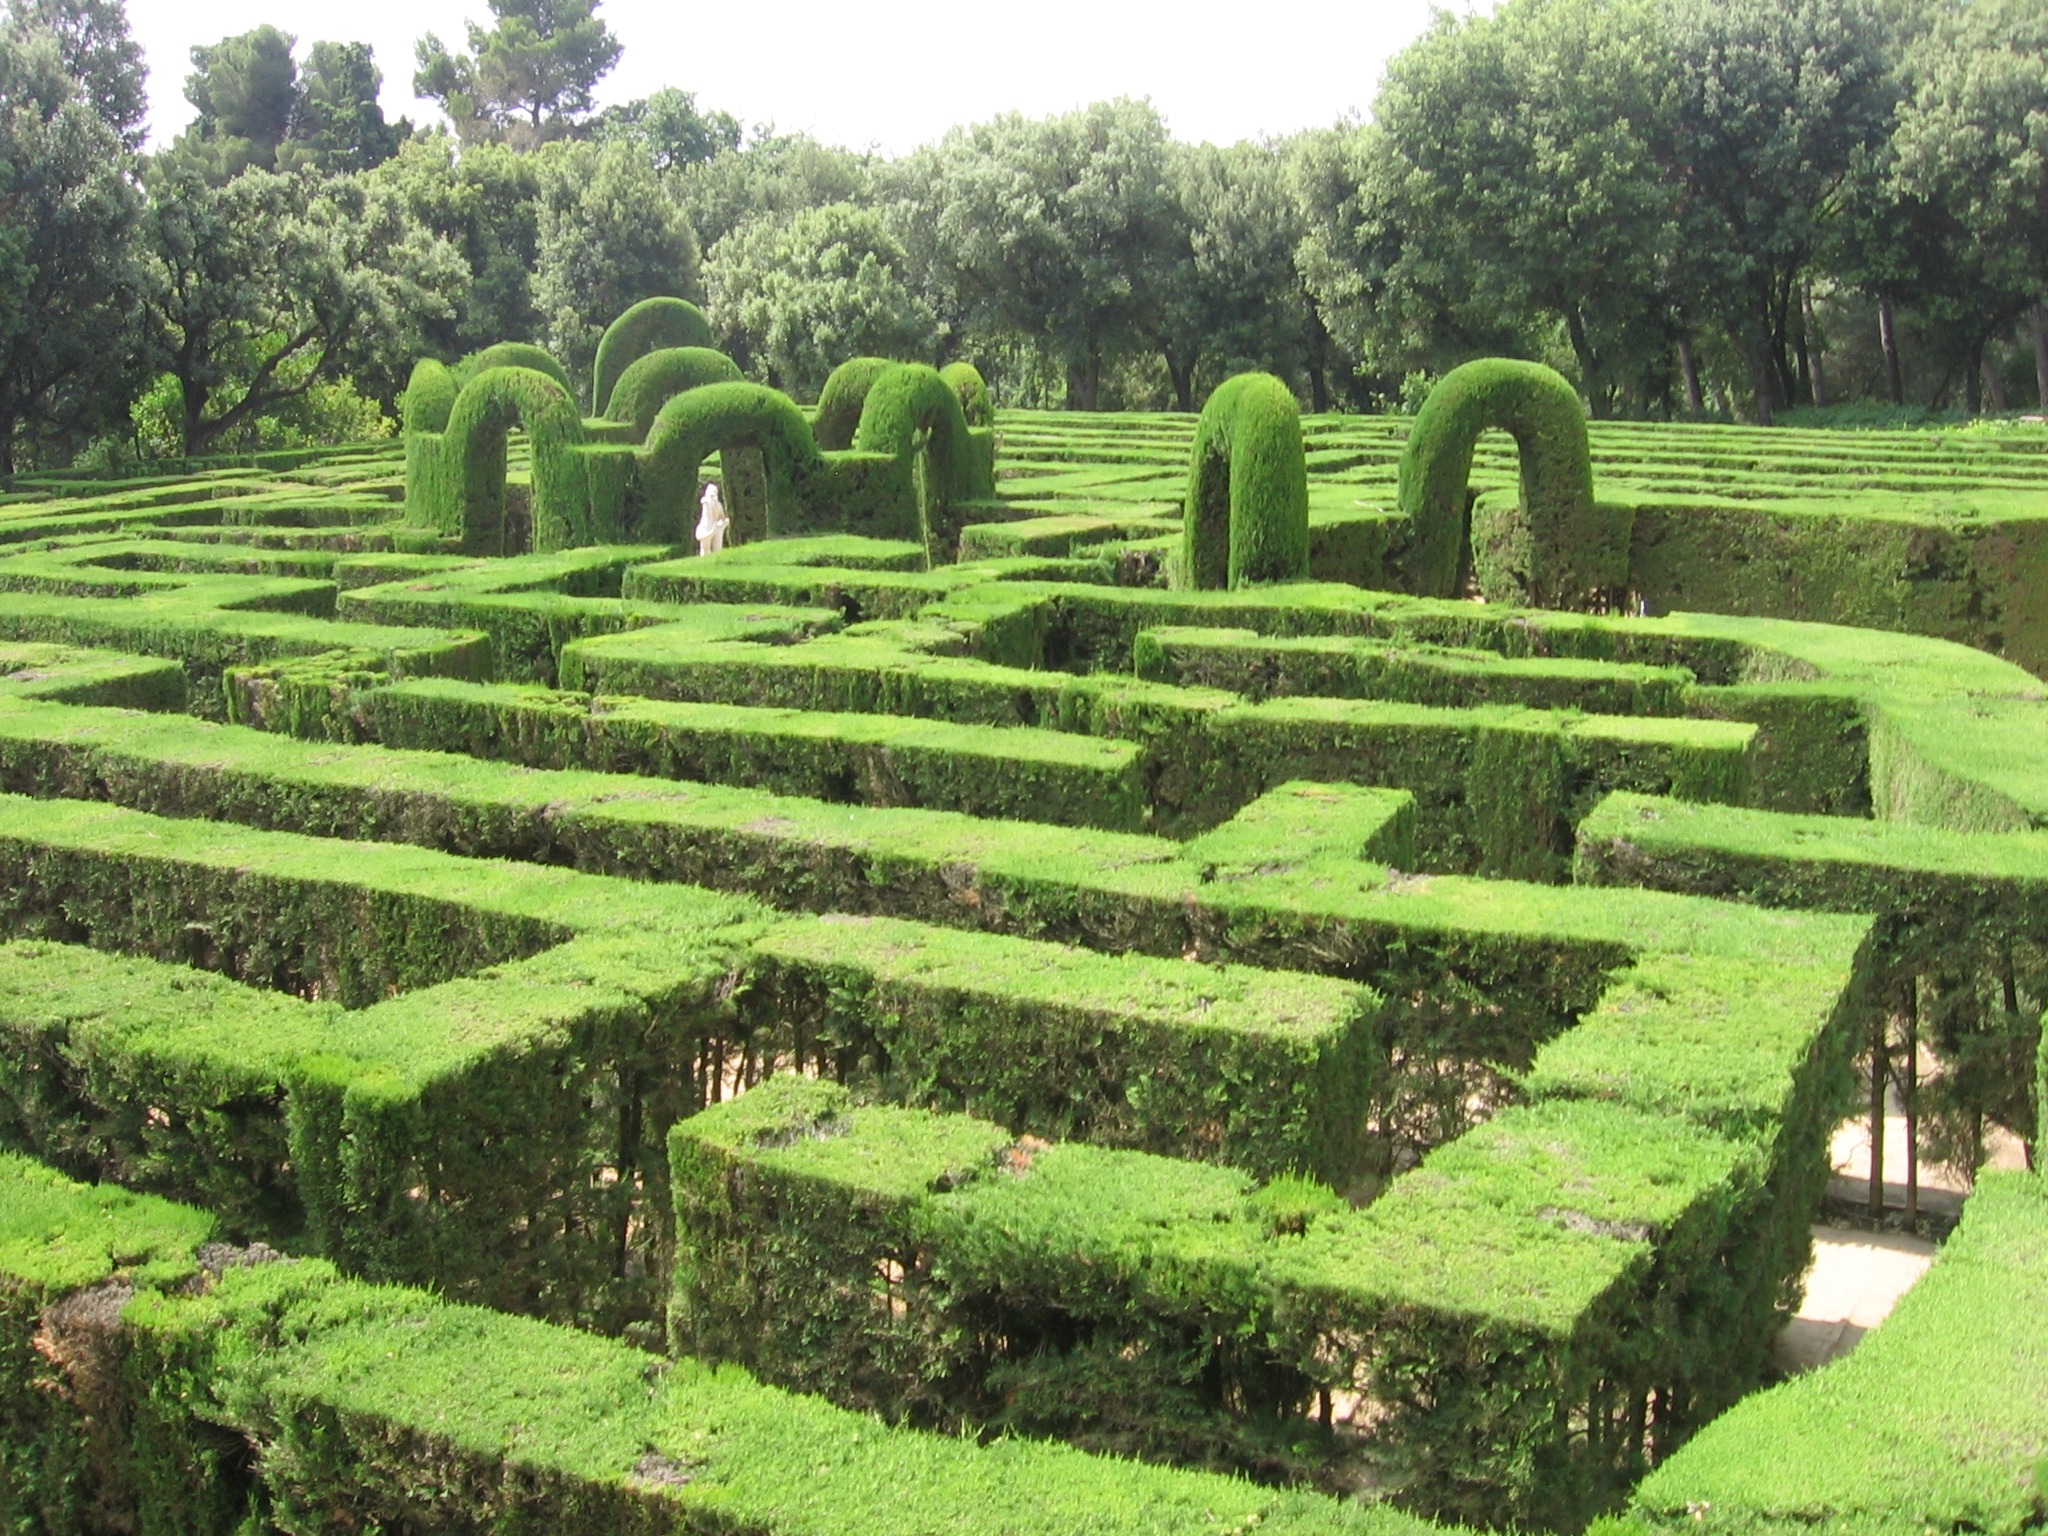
point(842, 397)
point(968, 384)
point(651, 325)
point(1245, 519)
point(512, 354)
point(527, 79)
point(654, 378)
point(670, 129)
point(70, 273)
point(455, 479)
point(609, 235)
point(1563, 548)
point(794, 295)
point(255, 109)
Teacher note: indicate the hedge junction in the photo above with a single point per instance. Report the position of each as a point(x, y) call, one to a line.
point(1076, 983)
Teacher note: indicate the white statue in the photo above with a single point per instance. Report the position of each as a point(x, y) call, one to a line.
point(713, 522)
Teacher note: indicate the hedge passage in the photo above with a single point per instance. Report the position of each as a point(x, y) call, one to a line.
point(1246, 515)
point(244, 1382)
point(1303, 1030)
point(652, 325)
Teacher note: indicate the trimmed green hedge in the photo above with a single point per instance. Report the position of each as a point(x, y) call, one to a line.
point(965, 380)
point(512, 354)
point(1564, 548)
point(840, 402)
point(652, 325)
point(653, 379)
point(245, 1387)
point(1263, 1070)
point(1245, 518)
point(455, 479)
point(1938, 1421)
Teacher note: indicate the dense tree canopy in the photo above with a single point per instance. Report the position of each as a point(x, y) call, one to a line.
point(1734, 207)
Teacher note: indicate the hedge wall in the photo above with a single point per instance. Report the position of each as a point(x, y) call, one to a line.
point(652, 325)
point(1245, 519)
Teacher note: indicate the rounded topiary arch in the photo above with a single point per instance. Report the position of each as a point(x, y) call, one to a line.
point(429, 397)
point(966, 381)
point(650, 382)
point(714, 417)
point(513, 354)
point(841, 400)
point(1568, 548)
point(468, 500)
point(652, 325)
point(1246, 515)
point(909, 406)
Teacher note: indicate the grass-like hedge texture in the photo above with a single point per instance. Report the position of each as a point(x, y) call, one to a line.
point(1245, 519)
point(650, 380)
point(150, 1381)
point(840, 402)
point(512, 354)
point(455, 479)
point(966, 381)
point(1938, 1421)
point(1563, 548)
point(652, 325)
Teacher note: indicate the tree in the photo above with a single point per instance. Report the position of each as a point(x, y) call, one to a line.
point(1970, 156)
point(526, 80)
point(775, 173)
point(273, 283)
point(799, 296)
point(1525, 148)
point(669, 129)
point(1773, 100)
point(486, 204)
point(1061, 231)
point(609, 235)
point(1232, 300)
point(94, 48)
point(255, 108)
point(68, 268)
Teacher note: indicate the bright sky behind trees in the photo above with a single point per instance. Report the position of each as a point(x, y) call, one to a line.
point(820, 69)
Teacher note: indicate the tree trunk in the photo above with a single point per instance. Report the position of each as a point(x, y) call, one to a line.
point(2040, 318)
point(1183, 379)
point(1994, 386)
point(1763, 379)
point(1911, 1094)
point(1880, 1075)
point(1589, 363)
point(1084, 382)
point(7, 452)
point(1973, 381)
point(1318, 364)
point(1888, 339)
point(1688, 368)
point(1817, 373)
point(1802, 351)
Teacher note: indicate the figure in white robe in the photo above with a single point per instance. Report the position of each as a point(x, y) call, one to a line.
point(712, 522)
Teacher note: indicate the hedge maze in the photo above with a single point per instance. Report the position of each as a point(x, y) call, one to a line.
point(1086, 987)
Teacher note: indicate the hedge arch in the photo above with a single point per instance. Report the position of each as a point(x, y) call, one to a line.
point(702, 421)
point(466, 496)
point(909, 406)
point(652, 325)
point(966, 381)
point(650, 382)
point(1246, 514)
point(1567, 547)
point(513, 354)
point(429, 397)
point(841, 400)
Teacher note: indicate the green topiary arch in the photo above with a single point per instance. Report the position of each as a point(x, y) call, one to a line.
point(909, 407)
point(429, 397)
point(650, 382)
point(1563, 548)
point(966, 381)
point(513, 354)
point(1246, 514)
point(840, 401)
point(714, 417)
point(652, 325)
point(455, 478)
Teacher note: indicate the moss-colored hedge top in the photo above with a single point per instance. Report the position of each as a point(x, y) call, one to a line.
point(57, 1235)
point(655, 377)
point(1176, 994)
point(699, 1448)
point(66, 674)
point(1938, 1420)
point(512, 354)
point(1528, 1221)
point(1244, 519)
point(840, 401)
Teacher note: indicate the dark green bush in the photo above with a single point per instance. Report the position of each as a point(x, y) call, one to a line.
point(652, 378)
point(652, 325)
point(966, 381)
point(1245, 517)
point(841, 400)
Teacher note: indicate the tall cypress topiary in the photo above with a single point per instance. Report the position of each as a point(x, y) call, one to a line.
point(1564, 547)
point(1246, 516)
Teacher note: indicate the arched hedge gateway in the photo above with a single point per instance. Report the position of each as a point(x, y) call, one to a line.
point(1246, 513)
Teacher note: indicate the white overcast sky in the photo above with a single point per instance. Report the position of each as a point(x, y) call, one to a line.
point(890, 77)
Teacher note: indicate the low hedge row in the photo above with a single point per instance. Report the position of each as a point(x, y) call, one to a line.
point(151, 1380)
point(1546, 1303)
